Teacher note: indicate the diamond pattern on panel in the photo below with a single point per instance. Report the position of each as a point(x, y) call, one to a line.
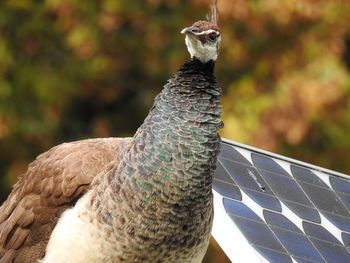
point(286, 210)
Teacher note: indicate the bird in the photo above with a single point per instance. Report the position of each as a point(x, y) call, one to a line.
point(146, 198)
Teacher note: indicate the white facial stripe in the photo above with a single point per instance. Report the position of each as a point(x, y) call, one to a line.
point(203, 52)
point(207, 32)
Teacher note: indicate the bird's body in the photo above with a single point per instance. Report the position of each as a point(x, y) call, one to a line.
point(141, 199)
point(162, 183)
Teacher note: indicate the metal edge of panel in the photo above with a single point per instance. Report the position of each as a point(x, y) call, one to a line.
point(286, 159)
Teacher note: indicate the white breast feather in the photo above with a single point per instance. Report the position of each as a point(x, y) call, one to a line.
point(73, 241)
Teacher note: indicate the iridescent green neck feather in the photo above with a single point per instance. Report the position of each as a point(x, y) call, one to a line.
point(175, 149)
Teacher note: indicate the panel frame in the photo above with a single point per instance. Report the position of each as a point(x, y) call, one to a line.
point(286, 159)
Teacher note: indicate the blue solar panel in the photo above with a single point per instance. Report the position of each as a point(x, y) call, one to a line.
point(274, 256)
point(227, 190)
point(239, 209)
point(279, 220)
point(345, 199)
point(340, 185)
point(304, 212)
point(284, 210)
point(258, 233)
point(297, 244)
point(331, 252)
point(346, 238)
point(319, 232)
point(302, 174)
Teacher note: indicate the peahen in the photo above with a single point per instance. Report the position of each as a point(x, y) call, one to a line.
point(142, 199)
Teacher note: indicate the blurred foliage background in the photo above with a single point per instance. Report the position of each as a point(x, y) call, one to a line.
point(73, 69)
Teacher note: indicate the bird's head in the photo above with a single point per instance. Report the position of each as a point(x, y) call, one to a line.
point(203, 37)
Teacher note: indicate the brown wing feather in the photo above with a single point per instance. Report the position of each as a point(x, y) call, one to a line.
point(52, 183)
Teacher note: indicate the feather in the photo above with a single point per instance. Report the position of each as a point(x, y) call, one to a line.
point(213, 16)
point(31, 211)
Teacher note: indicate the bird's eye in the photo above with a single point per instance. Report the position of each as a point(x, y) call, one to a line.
point(213, 37)
point(195, 29)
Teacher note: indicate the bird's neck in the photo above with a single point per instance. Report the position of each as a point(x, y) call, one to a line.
point(172, 157)
point(178, 141)
point(206, 68)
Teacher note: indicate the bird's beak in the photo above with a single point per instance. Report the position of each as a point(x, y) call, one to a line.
point(189, 30)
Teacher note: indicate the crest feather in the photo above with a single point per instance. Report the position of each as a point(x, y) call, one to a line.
point(213, 16)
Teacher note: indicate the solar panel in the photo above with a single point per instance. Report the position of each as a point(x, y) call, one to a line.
point(270, 208)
